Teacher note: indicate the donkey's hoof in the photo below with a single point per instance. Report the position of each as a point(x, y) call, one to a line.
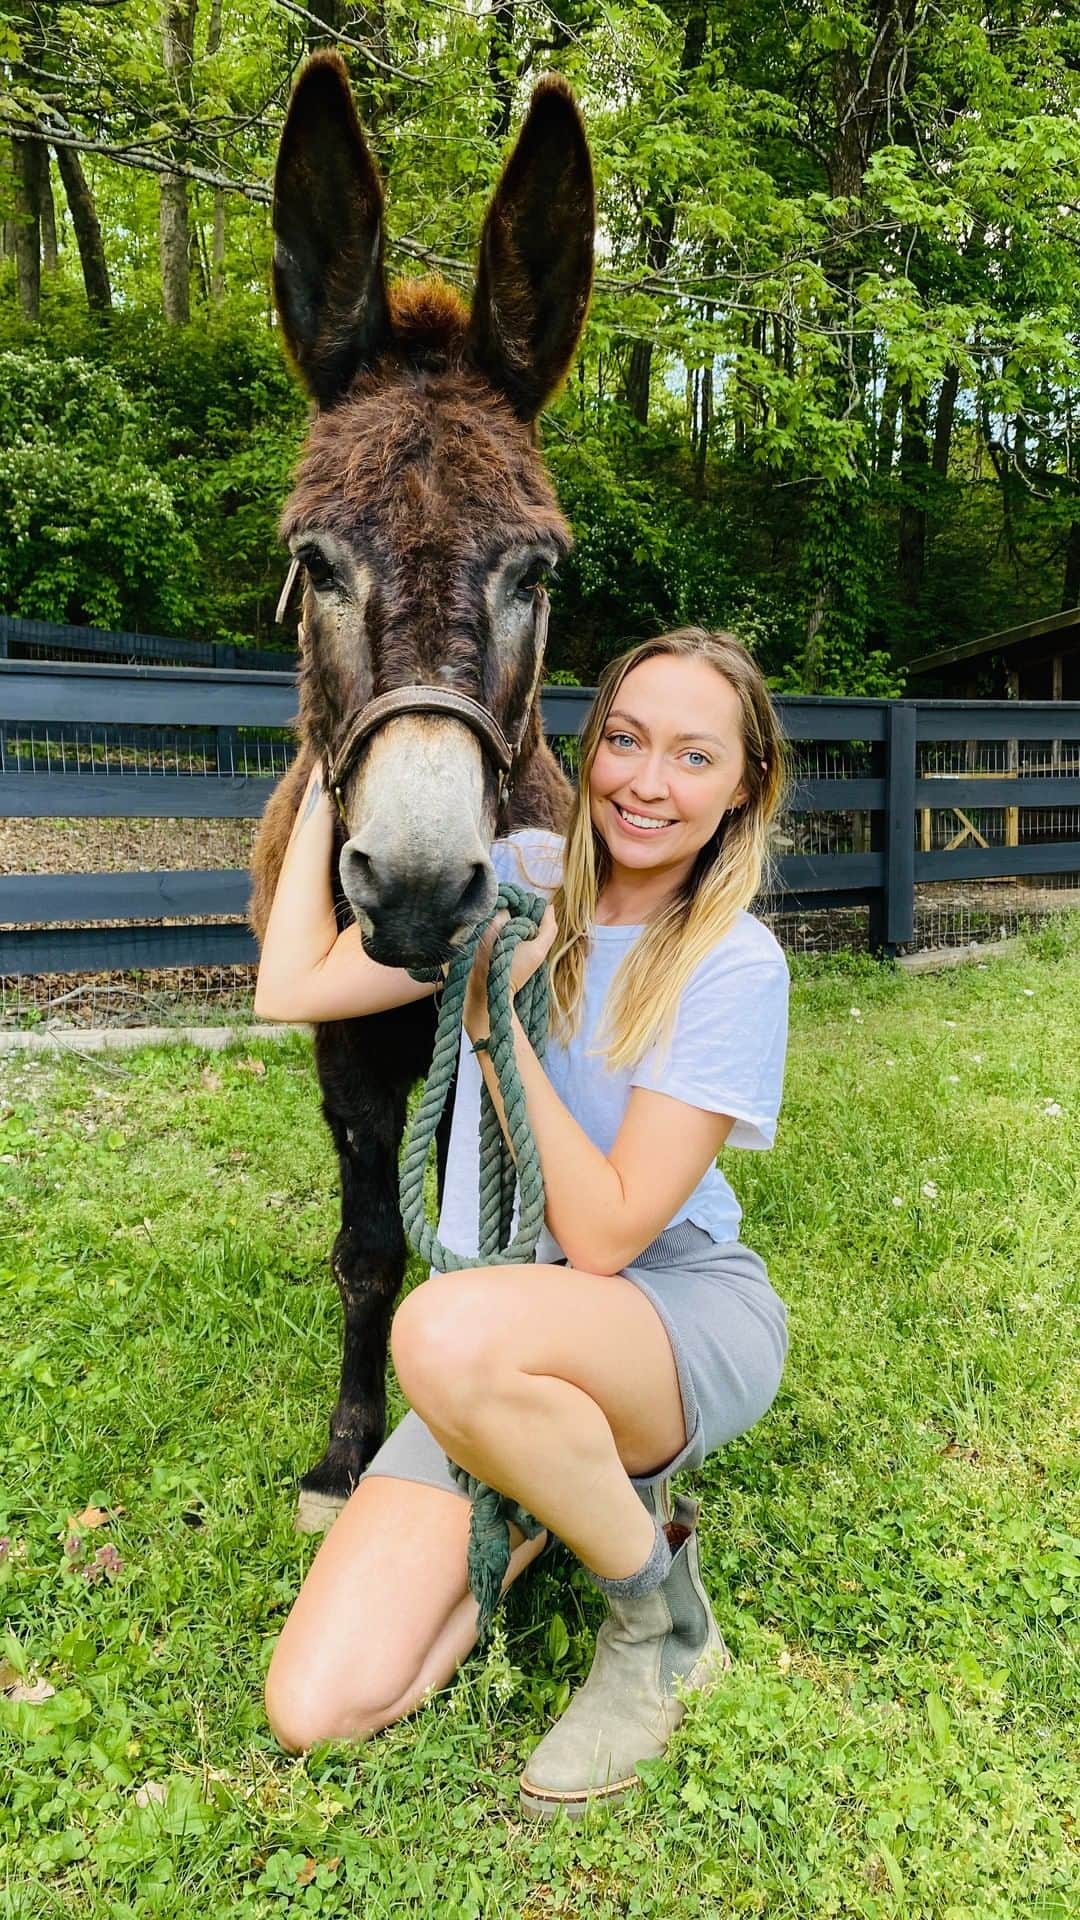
point(316, 1512)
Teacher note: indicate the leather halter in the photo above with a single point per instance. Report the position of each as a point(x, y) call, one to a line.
point(421, 698)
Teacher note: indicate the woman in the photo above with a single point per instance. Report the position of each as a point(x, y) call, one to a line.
point(645, 1335)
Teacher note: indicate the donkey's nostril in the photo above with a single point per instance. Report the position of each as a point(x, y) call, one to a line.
point(472, 902)
point(358, 876)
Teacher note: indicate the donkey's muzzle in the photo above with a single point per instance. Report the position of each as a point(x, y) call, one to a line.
point(415, 920)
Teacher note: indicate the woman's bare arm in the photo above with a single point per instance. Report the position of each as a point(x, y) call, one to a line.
point(604, 1208)
point(308, 970)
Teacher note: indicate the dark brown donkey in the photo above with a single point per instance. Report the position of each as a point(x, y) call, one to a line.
point(423, 522)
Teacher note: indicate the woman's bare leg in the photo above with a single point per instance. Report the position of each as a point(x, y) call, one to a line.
point(554, 1385)
point(384, 1615)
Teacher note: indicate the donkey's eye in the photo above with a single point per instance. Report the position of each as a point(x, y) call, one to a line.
point(318, 568)
point(534, 576)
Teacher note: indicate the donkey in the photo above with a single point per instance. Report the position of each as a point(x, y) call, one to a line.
point(424, 524)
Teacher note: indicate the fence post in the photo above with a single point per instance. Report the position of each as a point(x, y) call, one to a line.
point(892, 916)
point(225, 656)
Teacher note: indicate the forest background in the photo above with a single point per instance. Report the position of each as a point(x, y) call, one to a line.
point(828, 387)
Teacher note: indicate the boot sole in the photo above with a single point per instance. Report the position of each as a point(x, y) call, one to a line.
point(537, 1805)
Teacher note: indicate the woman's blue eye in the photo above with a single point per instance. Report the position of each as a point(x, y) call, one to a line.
point(702, 758)
point(615, 738)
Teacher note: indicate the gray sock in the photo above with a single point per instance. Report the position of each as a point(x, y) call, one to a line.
point(634, 1586)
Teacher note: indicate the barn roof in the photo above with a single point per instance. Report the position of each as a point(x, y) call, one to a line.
point(1038, 640)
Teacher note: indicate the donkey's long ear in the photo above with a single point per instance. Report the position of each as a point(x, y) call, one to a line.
point(536, 255)
point(328, 234)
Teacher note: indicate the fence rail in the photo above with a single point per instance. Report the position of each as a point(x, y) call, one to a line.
point(52, 922)
point(43, 640)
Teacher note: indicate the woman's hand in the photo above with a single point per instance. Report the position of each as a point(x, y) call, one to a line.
point(528, 956)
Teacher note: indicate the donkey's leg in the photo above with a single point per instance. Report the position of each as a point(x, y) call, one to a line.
point(366, 1069)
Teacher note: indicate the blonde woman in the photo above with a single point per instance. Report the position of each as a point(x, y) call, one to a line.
point(646, 1334)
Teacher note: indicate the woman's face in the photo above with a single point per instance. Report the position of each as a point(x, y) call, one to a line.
point(669, 763)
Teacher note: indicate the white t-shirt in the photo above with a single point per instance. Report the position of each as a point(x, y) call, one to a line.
point(726, 1055)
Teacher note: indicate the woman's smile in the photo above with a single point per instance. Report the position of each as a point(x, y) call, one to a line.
point(640, 823)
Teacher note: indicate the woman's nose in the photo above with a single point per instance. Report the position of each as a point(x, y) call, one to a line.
point(650, 779)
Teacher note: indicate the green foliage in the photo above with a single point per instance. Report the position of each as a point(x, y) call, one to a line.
point(157, 463)
point(811, 225)
point(648, 556)
point(838, 554)
point(90, 533)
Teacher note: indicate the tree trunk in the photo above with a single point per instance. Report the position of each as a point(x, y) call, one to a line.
point(47, 209)
point(943, 420)
point(701, 452)
point(660, 229)
point(812, 661)
point(500, 52)
point(860, 96)
point(7, 227)
point(174, 236)
point(365, 21)
point(87, 227)
point(200, 261)
point(863, 93)
point(914, 458)
point(324, 27)
point(890, 411)
point(1070, 596)
point(174, 230)
point(217, 250)
point(217, 238)
point(26, 154)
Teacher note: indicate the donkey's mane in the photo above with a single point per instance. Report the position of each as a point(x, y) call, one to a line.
point(429, 320)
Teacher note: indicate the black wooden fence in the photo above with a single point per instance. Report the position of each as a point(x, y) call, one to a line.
point(873, 760)
point(44, 640)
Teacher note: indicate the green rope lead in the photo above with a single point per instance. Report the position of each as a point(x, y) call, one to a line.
point(502, 1168)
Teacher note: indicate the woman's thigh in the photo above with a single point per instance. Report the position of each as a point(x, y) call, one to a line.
point(455, 1334)
point(384, 1615)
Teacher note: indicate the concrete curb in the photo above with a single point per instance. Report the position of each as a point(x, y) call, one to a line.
point(127, 1039)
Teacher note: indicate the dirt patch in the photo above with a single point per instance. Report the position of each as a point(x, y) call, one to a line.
point(123, 846)
point(205, 995)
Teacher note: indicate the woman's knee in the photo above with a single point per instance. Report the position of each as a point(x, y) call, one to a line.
point(445, 1343)
point(305, 1707)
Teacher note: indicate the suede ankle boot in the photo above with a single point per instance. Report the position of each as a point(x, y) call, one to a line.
point(658, 1499)
point(628, 1708)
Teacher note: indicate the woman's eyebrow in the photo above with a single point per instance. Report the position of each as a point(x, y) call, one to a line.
point(714, 738)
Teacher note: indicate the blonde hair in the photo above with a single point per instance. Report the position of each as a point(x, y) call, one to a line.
point(725, 878)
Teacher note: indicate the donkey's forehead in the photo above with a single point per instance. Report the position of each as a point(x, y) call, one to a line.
point(431, 457)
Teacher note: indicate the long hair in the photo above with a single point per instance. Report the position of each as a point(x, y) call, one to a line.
point(725, 878)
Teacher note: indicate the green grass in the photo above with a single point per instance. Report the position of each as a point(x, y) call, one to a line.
point(894, 1552)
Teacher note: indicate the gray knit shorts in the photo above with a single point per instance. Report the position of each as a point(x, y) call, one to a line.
point(728, 1334)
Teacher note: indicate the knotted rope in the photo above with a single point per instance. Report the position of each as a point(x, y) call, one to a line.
point(502, 1168)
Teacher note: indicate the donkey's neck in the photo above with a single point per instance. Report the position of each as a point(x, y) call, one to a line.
point(541, 793)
